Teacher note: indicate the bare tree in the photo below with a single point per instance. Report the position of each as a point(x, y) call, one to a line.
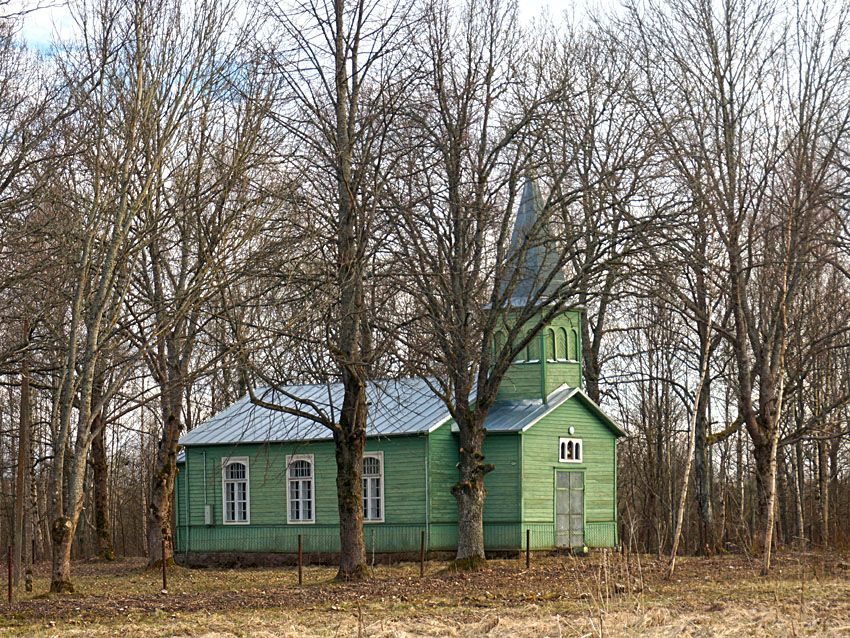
point(759, 158)
point(133, 87)
point(600, 134)
point(31, 107)
point(199, 221)
point(340, 65)
point(480, 118)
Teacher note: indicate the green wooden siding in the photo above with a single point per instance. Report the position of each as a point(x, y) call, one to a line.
point(501, 509)
point(522, 381)
point(404, 497)
point(533, 378)
point(442, 474)
point(559, 373)
point(540, 461)
point(520, 491)
point(503, 483)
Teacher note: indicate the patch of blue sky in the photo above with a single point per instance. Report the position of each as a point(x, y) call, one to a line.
point(43, 22)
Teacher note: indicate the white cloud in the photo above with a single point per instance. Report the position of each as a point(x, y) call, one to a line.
point(40, 26)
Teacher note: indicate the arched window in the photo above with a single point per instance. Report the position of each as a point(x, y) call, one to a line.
point(561, 351)
point(550, 344)
point(234, 490)
point(570, 450)
point(300, 506)
point(576, 345)
point(373, 488)
point(534, 349)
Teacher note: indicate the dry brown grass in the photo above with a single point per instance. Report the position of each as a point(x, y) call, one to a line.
point(601, 595)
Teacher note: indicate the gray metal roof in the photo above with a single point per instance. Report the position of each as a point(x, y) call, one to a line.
point(531, 243)
point(405, 406)
point(518, 416)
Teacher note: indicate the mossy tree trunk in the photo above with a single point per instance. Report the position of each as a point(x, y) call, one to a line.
point(470, 494)
point(62, 537)
point(350, 442)
point(159, 532)
point(100, 472)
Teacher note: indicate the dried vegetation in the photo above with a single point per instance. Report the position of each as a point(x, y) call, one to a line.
point(601, 595)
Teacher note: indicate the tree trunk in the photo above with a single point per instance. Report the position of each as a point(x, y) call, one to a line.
point(702, 474)
point(470, 496)
point(834, 447)
point(349, 492)
point(162, 486)
point(799, 482)
point(764, 453)
point(702, 424)
point(591, 368)
point(739, 485)
point(100, 471)
point(469, 493)
point(62, 538)
point(783, 494)
point(22, 514)
point(823, 492)
point(353, 345)
point(683, 495)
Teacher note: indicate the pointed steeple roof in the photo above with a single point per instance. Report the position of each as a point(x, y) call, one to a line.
point(532, 252)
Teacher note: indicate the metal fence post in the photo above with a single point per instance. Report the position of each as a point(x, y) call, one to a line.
point(300, 561)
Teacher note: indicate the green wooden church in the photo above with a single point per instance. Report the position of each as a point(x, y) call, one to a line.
point(251, 480)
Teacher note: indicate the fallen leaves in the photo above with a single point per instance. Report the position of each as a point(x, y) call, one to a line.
point(558, 594)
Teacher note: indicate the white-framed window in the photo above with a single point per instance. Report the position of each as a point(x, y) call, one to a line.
point(235, 491)
point(300, 495)
point(570, 450)
point(373, 487)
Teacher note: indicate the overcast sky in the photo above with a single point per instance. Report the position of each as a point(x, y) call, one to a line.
point(39, 26)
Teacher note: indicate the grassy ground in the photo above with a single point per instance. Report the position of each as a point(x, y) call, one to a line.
point(600, 595)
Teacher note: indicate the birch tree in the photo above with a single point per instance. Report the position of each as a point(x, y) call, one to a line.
point(752, 120)
point(132, 87)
